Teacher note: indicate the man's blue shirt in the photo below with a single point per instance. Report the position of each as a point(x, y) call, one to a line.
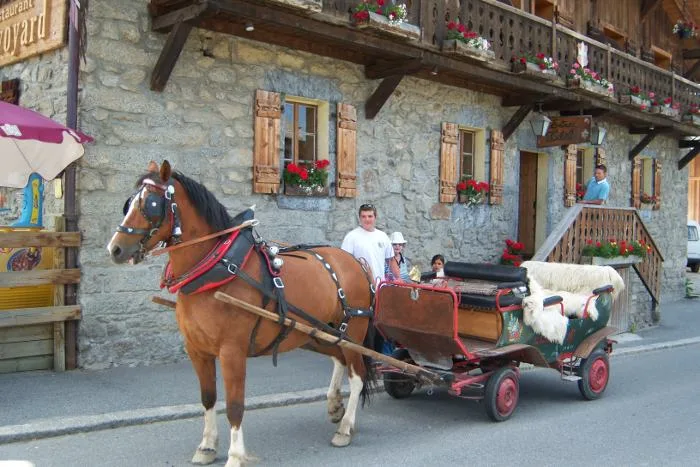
point(595, 190)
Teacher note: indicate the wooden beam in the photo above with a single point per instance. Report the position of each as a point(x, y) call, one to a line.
point(169, 55)
point(190, 13)
point(595, 113)
point(39, 277)
point(645, 130)
point(20, 239)
point(41, 315)
point(377, 100)
point(688, 157)
point(516, 120)
point(518, 100)
point(690, 54)
point(688, 143)
point(384, 69)
point(693, 70)
point(648, 138)
point(648, 7)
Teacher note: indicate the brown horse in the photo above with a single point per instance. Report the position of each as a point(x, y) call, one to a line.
point(170, 207)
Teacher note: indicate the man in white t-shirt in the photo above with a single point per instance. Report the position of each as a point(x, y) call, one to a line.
point(371, 244)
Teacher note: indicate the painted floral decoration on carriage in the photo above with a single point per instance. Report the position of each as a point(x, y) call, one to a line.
point(309, 176)
point(471, 192)
point(394, 13)
point(540, 60)
point(512, 253)
point(612, 248)
point(459, 32)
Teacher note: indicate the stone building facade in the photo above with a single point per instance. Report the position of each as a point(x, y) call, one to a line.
point(203, 124)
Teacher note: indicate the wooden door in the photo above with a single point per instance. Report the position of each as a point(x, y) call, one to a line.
point(527, 212)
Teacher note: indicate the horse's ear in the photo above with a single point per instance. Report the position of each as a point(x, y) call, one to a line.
point(165, 171)
point(153, 167)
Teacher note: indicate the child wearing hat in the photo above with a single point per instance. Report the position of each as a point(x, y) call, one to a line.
point(398, 243)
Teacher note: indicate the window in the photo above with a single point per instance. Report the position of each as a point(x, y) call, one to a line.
point(472, 147)
point(584, 167)
point(647, 176)
point(693, 234)
point(300, 127)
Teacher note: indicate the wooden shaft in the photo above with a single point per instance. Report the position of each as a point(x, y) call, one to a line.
point(163, 301)
point(306, 329)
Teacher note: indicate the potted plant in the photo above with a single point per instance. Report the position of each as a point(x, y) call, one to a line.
point(306, 178)
point(460, 40)
point(471, 192)
point(693, 115)
point(384, 17)
point(612, 252)
point(666, 107)
point(588, 80)
point(537, 66)
point(636, 98)
point(580, 192)
point(685, 29)
point(648, 200)
point(512, 253)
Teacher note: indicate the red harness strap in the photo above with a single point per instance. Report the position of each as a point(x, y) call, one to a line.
point(206, 264)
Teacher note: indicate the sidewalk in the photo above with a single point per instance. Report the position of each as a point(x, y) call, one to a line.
point(43, 404)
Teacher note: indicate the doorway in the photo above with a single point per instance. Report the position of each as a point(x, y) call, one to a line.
point(530, 215)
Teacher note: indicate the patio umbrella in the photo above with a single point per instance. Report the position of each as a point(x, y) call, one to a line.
point(30, 142)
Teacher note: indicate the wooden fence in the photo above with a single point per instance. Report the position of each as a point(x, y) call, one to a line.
point(34, 338)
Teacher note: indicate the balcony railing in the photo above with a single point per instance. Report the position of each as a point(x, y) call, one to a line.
point(512, 31)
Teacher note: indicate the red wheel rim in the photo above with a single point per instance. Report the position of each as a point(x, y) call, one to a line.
point(598, 376)
point(507, 396)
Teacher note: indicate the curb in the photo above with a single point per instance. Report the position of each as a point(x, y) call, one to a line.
point(71, 425)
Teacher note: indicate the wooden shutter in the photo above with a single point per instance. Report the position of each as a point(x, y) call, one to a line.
point(346, 175)
point(601, 157)
point(636, 182)
point(497, 147)
point(266, 156)
point(449, 142)
point(657, 183)
point(570, 175)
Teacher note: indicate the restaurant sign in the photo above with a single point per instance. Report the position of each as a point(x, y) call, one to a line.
point(567, 130)
point(31, 27)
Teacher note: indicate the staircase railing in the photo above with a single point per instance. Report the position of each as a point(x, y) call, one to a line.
point(597, 223)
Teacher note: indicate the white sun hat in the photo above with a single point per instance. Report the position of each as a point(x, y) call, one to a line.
point(397, 238)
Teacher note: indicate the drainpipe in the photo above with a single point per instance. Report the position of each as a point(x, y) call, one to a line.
point(69, 195)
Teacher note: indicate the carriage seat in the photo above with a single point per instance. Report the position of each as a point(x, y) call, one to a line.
point(487, 272)
point(489, 278)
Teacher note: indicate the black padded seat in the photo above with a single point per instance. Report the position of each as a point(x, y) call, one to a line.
point(488, 301)
point(486, 272)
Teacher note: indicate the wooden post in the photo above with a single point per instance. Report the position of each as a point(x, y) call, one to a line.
point(59, 327)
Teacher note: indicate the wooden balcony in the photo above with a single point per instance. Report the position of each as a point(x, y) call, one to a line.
point(324, 27)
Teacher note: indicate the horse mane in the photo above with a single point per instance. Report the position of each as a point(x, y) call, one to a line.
point(205, 203)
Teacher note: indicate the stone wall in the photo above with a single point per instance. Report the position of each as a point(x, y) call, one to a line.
point(203, 124)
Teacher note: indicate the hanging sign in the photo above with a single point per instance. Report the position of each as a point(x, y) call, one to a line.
point(31, 27)
point(567, 130)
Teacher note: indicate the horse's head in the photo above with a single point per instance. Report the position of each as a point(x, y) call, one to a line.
point(150, 217)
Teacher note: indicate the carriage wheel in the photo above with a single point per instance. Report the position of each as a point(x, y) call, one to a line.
point(501, 394)
point(398, 385)
point(595, 373)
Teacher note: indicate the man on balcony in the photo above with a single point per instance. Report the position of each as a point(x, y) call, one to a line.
point(598, 188)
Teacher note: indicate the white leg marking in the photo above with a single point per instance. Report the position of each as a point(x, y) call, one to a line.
point(347, 425)
point(236, 451)
point(206, 451)
point(335, 400)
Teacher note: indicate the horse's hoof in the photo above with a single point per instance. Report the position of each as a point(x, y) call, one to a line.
point(341, 440)
point(234, 462)
point(337, 416)
point(204, 456)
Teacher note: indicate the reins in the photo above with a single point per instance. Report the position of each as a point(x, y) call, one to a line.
point(248, 223)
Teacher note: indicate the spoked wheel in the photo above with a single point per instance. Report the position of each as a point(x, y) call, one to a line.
point(399, 385)
point(501, 394)
point(595, 374)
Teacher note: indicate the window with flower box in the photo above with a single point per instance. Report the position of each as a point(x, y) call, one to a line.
point(584, 170)
point(471, 153)
point(646, 183)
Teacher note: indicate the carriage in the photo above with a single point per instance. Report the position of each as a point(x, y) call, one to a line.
point(478, 324)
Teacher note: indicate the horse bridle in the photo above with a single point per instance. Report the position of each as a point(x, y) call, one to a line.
point(155, 208)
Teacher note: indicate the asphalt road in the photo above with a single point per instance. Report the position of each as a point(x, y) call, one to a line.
point(648, 416)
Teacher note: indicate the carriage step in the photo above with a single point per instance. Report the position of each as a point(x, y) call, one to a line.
point(570, 377)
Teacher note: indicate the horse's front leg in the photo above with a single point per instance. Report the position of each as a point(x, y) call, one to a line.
point(335, 398)
point(233, 368)
point(205, 367)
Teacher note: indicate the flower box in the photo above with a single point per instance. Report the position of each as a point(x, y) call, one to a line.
point(532, 70)
point(614, 261)
point(635, 102)
point(668, 111)
point(380, 24)
point(310, 6)
point(298, 190)
point(455, 47)
point(588, 87)
point(692, 118)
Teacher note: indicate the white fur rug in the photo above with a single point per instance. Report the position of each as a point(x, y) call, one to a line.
point(574, 283)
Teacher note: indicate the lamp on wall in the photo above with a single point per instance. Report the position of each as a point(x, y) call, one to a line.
point(597, 135)
point(540, 124)
point(249, 27)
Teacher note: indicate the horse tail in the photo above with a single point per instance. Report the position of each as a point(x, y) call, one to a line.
point(370, 383)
